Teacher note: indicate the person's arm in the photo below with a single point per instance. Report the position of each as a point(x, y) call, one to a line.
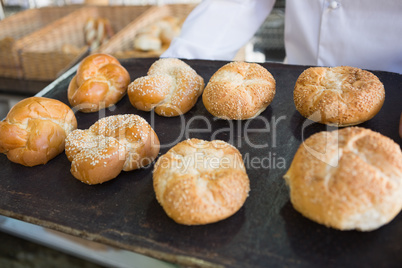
point(217, 29)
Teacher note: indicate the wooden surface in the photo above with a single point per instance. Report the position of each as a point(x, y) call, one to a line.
point(266, 232)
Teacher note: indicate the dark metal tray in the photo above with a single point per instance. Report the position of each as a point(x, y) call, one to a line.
point(265, 232)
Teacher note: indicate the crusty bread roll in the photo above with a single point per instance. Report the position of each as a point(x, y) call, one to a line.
point(171, 87)
point(347, 179)
point(342, 96)
point(35, 129)
point(199, 182)
point(239, 90)
point(112, 144)
point(100, 82)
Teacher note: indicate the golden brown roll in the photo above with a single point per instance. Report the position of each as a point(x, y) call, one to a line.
point(100, 82)
point(112, 144)
point(341, 96)
point(347, 179)
point(239, 90)
point(199, 182)
point(171, 87)
point(35, 129)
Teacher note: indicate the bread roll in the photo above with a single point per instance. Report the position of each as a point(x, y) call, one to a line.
point(239, 90)
point(158, 34)
point(147, 42)
point(199, 182)
point(100, 82)
point(347, 179)
point(112, 144)
point(97, 31)
point(35, 129)
point(170, 28)
point(171, 87)
point(341, 96)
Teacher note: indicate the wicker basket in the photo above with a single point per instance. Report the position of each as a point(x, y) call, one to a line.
point(18, 30)
point(44, 60)
point(122, 45)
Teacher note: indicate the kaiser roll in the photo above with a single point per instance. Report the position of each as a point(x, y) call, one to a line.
point(199, 182)
point(341, 96)
point(239, 90)
point(347, 179)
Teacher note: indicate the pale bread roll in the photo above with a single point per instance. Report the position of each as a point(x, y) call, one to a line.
point(200, 182)
point(170, 28)
point(347, 179)
point(341, 96)
point(147, 42)
point(35, 129)
point(239, 91)
point(97, 31)
point(158, 34)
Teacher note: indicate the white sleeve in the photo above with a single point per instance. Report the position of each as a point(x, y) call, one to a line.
point(217, 29)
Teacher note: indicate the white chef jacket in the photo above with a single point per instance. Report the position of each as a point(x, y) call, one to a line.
point(360, 33)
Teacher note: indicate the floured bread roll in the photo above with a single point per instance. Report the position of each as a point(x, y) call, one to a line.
point(347, 179)
point(239, 90)
point(112, 144)
point(341, 96)
point(200, 182)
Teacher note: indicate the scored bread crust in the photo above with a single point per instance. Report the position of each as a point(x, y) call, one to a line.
point(101, 81)
point(239, 90)
point(171, 87)
point(341, 96)
point(112, 144)
point(347, 179)
point(200, 182)
point(35, 129)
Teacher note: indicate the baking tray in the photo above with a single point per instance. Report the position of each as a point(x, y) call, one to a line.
point(265, 232)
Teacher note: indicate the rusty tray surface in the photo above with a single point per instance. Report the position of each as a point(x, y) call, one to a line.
point(266, 231)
